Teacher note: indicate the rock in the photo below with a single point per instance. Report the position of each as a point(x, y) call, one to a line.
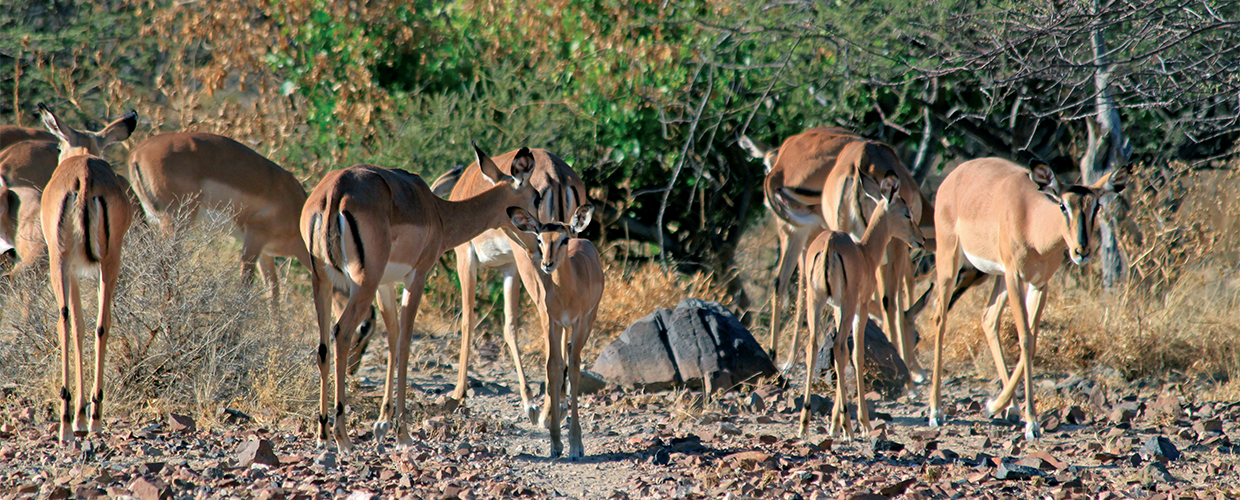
point(661, 457)
point(696, 344)
point(1159, 448)
point(231, 416)
point(591, 383)
point(886, 372)
point(181, 423)
point(148, 489)
point(1073, 414)
point(326, 460)
point(1121, 415)
point(258, 451)
point(755, 403)
point(1208, 425)
point(1010, 471)
point(879, 444)
point(151, 468)
point(895, 489)
point(747, 460)
point(729, 429)
point(1156, 473)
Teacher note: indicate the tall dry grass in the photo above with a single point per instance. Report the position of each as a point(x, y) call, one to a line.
point(188, 335)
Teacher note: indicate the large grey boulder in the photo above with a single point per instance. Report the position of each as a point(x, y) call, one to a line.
point(886, 372)
point(697, 344)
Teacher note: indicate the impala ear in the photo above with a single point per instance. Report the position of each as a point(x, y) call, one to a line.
point(1045, 179)
point(523, 220)
point(489, 170)
point(581, 218)
point(120, 129)
point(1114, 181)
point(523, 165)
point(53, 124)
point(890, 187)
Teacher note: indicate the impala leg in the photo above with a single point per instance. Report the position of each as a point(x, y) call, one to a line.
point(62, 284)
point(1016, 302)
point(354, 313)
point(576, 449)
point(267, 266)
point(79, 334)
point(108, 274)
point(853, 318)
point(322, 290)
point(791, 245)
point(387, 308)
point(814, 316)
point(410, 300)
point(992, 319)
point(839, 413)
point(466, 271)
point(899, 271)
point(946, 263)
point(555, 383)
point(512, 298)
point(802, 286)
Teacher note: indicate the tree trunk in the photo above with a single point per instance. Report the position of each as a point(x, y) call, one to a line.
point(1106, 151)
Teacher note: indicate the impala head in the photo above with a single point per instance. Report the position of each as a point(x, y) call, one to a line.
point(760, 151)
point(76, 143)
point(900, 219)
point(553, 236)
point(1079, 204)
point(10, 204)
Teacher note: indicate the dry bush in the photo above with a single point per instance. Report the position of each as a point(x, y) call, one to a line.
point(187, 334)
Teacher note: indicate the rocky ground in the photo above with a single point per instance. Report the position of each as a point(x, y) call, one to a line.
point(1102, 440)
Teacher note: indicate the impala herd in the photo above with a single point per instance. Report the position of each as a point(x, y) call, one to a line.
point(848, 213)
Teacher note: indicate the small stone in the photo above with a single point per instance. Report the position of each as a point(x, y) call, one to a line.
point(1208, 425)
point(1156, 473)
point(878, 444)
point(661, 457)
point(151, 468)
point(892, 490)
point(768, 439)
point(326, 460)
point(231, 416)
point(756, 403)
point(1010, 471)
point(729, 429)
point(1121, 415)
point(254, 451)
point(181, 423)
point(1159, 448)
point(1073, 414)
point(147, 489)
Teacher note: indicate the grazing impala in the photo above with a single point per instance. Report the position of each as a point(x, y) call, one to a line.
point(191, 171)
point(21, 235)
point(368, 228)
point(560, 193)
point(842, 273)
point(1006, 220)
point(85, 214)
point(573, 288)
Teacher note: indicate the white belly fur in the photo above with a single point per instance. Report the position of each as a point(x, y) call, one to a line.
point(985, 266)
point(494, 252)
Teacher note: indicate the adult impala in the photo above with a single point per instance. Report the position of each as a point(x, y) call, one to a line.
point(368, 228)
point(841, 272)
point(192, 171)
point(573, 288)
point(12, 134)
point(1004, 219)
point(560, 193)
point(85, 215)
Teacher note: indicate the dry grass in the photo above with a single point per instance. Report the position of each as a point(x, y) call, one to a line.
point(187, 335)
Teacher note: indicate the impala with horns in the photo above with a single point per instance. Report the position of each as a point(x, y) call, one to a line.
point(85, 214)
point(368, 228)
point(572, 289)
point(841, 272)
point(560, 194)
point(1005, 220)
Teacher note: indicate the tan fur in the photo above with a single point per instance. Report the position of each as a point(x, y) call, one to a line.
point(992, 210)
point(797, 172)
point(29, 163)
point(85, 214)
point(561, 192)
point(11, 134)
point(572, 287)
point(364, 224)
point(191, 171)
point(842, 273)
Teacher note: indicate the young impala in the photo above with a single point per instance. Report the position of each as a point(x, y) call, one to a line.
point(569, 306)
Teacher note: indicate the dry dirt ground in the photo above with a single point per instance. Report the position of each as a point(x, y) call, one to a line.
point(666, 445)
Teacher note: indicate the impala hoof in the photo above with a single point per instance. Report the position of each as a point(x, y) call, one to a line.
point(1032, 431)
point(96, 426)
point(575, 454)
point(381, 429)
point(918, 377)
point(532, 412)
point(936, 417)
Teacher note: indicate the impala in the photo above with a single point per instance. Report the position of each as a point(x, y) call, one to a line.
point(573, 288)
point(841, 272)
point(11, 134)
point(21, 235)
point(192, 171)
point(368, 228)
point(1003, 219)
point(85, 214)
point(560, 193)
